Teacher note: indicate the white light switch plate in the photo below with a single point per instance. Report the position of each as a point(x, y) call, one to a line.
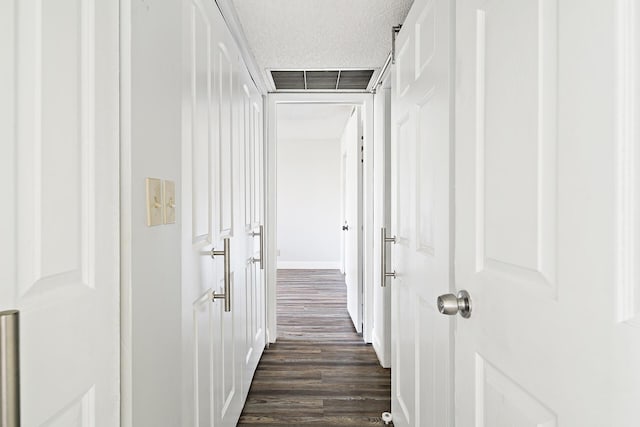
point(169, 202)
point(155, 205)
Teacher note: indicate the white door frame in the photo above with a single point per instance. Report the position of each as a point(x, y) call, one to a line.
point(365, 101)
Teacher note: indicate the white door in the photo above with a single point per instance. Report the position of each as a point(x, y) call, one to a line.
point(343, 210)
point(540, 163)
point(213, 215)
point(352, 196)
point(420, 338)
point(228, 217)
point(381, 331)
point(199, 276)
point(252, 224)
point(60, 235)
point(626, 331)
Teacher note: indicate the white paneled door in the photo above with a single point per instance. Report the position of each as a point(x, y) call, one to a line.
point(251, 157)
point(200, 274)
point(420, 188)
point(224, 295)
point(253, 206)
point(381, 331)
point(352, 209)
point(59, 226)
point(547, 213)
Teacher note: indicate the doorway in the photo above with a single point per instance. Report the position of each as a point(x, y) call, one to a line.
point(319, 197)
point(290, 235)
point(309, 187)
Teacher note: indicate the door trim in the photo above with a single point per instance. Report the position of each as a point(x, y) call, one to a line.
point(126, 225)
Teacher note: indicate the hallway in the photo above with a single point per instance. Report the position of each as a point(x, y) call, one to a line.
point(319, 372)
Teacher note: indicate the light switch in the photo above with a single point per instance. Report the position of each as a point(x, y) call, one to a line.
point(155, 205)
point(169, 202)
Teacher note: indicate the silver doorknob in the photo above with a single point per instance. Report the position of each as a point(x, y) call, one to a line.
point(451, 304)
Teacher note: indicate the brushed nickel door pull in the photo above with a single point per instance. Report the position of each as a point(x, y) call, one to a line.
point(261, 234)
point(383, 256)
point(10, 368)
point(227, 275)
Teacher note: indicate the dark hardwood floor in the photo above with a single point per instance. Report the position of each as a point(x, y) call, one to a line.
point(319, 372)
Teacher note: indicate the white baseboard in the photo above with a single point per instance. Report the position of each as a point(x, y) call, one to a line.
point(309, 265)
point(377, 346)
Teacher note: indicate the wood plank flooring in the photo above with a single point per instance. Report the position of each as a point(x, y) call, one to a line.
point(319, 372)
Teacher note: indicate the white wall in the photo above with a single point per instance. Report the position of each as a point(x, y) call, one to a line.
point(308, 203)
point(151, 147)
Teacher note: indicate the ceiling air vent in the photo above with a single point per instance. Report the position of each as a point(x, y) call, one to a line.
point(321, 80)
point(354, 79)
point(288, 79)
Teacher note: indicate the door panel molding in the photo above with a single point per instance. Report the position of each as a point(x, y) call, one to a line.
point(500, 399)
point(532, 173)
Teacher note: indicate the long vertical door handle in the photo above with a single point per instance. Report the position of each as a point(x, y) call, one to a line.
point(261, 234)
point(383, 256)
point(227, 275)
point(10, 368)
point(262, 247)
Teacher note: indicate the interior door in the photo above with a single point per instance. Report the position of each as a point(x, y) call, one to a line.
point(228, 218)
point(214, 312)
point(351, 147)
point(59, 159)
point(626, 331)
point(421, 257)
point(536, 214)
point(199, 274)
point(254, 304)
point(381, 331)
point(343, 210)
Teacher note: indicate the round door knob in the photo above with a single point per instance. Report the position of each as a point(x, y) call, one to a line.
point(451, 304)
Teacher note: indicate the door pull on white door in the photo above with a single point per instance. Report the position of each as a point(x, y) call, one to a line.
point(450, 304)
point(10, 368)
point(383, 256)
point(261, 259)
point(227, 275)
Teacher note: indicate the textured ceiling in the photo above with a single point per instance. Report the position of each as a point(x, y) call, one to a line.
point(312, 121)
point(303, 34)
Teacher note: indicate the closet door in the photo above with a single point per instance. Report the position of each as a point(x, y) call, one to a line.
point(224, 296)
point(250, 115)
point(59, 250)
point(421, 370)
point(214, 238)
point(381, 332)
point(199, 270)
